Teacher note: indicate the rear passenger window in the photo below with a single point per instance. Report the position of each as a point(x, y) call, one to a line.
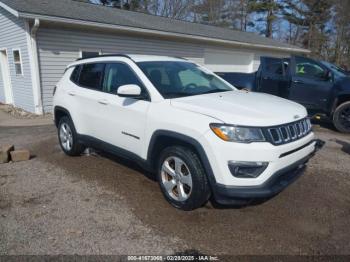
point(75, 75)
point(91, 76)
point(275, 68)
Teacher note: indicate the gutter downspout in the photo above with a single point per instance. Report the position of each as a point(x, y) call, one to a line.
point(33, 52)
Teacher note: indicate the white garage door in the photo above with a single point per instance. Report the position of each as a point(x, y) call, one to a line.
point(226, 61)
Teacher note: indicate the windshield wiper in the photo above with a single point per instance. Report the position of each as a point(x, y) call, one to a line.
point(175, 94)
point(213, 91)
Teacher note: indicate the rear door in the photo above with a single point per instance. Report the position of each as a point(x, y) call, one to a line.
point(84, 95)
point(273, 77)
point(310, 85)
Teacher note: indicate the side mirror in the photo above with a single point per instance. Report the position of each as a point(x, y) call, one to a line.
point(132, 91)
point(328, 75)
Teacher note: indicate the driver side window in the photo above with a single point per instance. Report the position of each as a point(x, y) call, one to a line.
point(116, 75)
point(309, 69)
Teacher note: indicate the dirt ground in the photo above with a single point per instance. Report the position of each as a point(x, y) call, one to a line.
point(55, 204)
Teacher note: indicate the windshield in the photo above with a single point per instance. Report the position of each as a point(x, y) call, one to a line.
point(335, 69)
point(178, 79)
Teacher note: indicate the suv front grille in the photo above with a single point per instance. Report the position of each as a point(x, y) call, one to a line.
point(287, 133)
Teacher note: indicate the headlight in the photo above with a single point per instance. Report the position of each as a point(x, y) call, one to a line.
point(237, 133)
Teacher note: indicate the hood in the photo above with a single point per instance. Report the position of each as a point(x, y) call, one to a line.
point(243, 108)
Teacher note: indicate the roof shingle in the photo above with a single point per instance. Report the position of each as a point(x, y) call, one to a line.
point(95, 13)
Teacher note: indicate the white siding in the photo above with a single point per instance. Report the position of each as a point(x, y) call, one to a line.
point(229, 60)
point(58, 47)
point(12, 36)
point(2, 89)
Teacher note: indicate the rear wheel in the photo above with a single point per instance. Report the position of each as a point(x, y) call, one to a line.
point(182, 178)
point(341, 118)
point(68, 137)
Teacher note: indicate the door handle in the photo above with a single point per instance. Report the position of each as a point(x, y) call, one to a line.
point(71, 93)
point(103, 102)
point(298, 81)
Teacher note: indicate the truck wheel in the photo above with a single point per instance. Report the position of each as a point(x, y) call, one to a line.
point(67, 137)
point(341, 117)
point(182, 178)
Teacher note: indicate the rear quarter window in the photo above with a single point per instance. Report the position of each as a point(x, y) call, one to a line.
point(75, 74)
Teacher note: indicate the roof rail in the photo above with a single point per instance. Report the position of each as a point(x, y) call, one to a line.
point(180, 57)
point(106, 55)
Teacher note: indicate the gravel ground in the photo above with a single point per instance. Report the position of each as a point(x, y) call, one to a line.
point(54, 204)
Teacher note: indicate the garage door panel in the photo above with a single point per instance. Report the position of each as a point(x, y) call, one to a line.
point(229, 61)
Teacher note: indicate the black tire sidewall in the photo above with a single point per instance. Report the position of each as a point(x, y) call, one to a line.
point(336, 116)
point(200, 186)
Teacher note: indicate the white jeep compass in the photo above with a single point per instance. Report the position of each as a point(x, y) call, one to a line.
point(200, 135)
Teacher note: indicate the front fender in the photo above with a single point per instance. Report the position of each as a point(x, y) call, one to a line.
point(187, 140)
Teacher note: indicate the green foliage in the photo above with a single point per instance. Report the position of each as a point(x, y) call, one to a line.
point(261, 6)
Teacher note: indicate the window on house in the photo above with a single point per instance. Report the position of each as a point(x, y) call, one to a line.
point(89, 54)
point(18, 62)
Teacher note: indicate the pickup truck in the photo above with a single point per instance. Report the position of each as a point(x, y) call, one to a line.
point(323, 88)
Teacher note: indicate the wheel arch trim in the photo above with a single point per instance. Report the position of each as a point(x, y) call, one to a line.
point(59, 108)
point(188, 140)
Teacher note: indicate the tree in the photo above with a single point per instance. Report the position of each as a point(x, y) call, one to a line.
point(243, 12)
point(122, 4)
point(342, 28)
point(269, 9)
point(224, 13)
point(178, 9)
point(310, 18)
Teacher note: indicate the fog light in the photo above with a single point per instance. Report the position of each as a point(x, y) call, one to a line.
point(242, 169)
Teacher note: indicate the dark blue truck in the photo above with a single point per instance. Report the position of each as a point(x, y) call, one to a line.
point(321, 87)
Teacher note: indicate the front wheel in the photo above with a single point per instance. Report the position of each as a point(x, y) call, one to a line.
point(182, 178)
point(67, 137)
point(341, 118)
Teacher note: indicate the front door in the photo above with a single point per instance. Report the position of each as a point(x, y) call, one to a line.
point(274, 77)
point(5, 75)
point(121, 121)
point(311, 84)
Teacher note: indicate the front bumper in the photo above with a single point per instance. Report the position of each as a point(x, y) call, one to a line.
point(275, 184)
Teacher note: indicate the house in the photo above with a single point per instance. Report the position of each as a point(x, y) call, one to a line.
point(39, 38)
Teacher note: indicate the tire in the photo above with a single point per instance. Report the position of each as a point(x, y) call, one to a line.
point(341, 117)
point(187, 188)
point(67, 137)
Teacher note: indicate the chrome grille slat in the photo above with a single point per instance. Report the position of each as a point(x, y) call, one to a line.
point(289, 132)
point(292, 131)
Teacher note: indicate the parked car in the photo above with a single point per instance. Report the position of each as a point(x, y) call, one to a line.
point(200, 135)
point(321, 87)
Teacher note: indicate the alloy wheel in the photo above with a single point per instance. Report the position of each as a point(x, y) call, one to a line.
point(176, 178)
point(66, 137)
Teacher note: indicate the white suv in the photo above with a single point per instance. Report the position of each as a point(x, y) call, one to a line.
point(200, 135)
